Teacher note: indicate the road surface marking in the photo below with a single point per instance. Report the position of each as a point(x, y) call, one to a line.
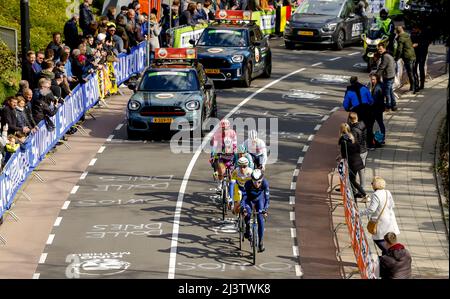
point(325, 118)
point(316, 128)
point(92, 162)
point(293, 185)
point(36, 275)
point(335, 109)
point(295, 251)
point(293, 233)
point(305, 148)
point(311, 137)
point(335, 58)
point(316, 64)
point(50, 239)
point(43, 258)
point(65, 205)
point(292, 200)
point(110, 137)
point(83, 175)
point(101, 149)
point(354, 53)
point(298, 270)
point(177, 214)
point(292, 216)
point(300, 160)
point(295, 173)
point(74, 189)
point(57, 221)
point(118, 127)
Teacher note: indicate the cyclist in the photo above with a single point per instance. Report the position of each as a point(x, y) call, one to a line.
point(257, 148)
point(257, 194)
point(240, 175)
point(223, 148)
point(242, 152)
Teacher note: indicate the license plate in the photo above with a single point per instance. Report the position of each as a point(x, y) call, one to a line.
point(307, 33)
point(162, 120)
point(212, 71)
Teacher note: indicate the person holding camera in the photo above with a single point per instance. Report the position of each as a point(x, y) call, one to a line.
point(44, 104)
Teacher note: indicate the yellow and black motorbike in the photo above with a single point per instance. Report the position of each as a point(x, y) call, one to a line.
point(371, 39)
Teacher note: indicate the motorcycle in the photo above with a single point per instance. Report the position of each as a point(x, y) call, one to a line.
point(371, 40)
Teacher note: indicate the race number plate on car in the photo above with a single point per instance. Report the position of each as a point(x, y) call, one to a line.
point(162, 120)
point(307, 33)
point(212, 71)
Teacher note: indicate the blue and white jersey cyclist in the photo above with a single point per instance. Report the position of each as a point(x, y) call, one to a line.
point(256, 194)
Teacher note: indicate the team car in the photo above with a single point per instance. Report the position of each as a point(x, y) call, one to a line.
point(234, 48)
point(326, 22)
point(173, 90)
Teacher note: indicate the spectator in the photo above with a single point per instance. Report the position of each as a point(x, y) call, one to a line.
point(122, 32)
point(350, 151)
point(23, 85)
point(3, 143)
point(131, 28)
point(11, 147)
point(359, 131)
point(396, 263)
point(67, 63)
point(155, 30)
point(117, 40)
point(376, 90)
point(358, 99)
point(9, 117)
point(381, 208)
point(49, 55)
point(56, 46)
point(24, 117)
point(86, 16)
point(123, 13)
point(58, 89)
point(208, 10)
point(92, 29)
point(37, 65)
point(47, 70)
point(42, 104)
point(386, 70)
point(28, 72)
point(28, 96)
point(421, 41)
point(111, 14)
point(89, 45)
point(200, 14)
point(71, 35)
point(187, 16)
point(405, 51)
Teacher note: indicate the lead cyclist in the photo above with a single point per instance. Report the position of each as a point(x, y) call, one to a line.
point(257, 148)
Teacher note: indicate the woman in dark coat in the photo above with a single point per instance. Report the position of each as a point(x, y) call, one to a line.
point(350, 150)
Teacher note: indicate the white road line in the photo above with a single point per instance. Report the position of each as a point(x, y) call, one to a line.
point(101, 149)
point(295, 251)
point(325, 118)
point(300, 160)
point(43, 258)
point(305, 148)
point(57, 221)
point(293, 185)
point(92, 162)
point(118, 127)
point(316, 64)
point(50, 239)
point(74, 189)
point(83, 175)
point(316, 128)
point(293, 233)
point(335, 109)
point(354, 53)
point(110, 137)
point(36, 275)
point(177, 214)
point(311, 137)
point(65, 205)
point(298, 270)
point(335, 58)
point(295, 173)
point(292, 216)
point(292, 200)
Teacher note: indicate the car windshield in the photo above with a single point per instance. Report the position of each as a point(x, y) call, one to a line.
point(168, 80)
point(223, 38)
point(320, 7)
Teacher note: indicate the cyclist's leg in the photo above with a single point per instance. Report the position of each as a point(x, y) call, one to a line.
point(237, 198)
point(259, 207)
point(245, 206)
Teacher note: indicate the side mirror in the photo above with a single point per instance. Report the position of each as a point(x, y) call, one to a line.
point(192, 42)
point(132, 86)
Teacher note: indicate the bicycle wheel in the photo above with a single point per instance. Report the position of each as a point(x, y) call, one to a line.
point(254, 240)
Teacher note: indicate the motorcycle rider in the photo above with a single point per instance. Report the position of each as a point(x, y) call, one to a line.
point(387, 27)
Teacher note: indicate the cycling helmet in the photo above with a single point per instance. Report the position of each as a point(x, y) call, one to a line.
point(257, 175)
point(384, 12)
point(243, 161)
point(253, 135)
point(242, 149)
point(225, 123)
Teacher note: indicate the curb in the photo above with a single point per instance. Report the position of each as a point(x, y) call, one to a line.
point(438, 178)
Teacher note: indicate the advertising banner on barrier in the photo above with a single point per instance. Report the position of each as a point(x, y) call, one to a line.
point(182, 35)
point(358, 238)
point(83, 97)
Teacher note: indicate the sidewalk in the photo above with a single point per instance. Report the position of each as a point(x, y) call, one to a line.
point(406, 163)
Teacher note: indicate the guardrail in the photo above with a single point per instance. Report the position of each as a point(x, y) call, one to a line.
point(84, 96)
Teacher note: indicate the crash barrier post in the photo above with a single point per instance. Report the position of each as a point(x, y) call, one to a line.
point(358, 237)
point(84, 96)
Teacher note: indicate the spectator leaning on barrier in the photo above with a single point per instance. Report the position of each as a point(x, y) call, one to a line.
point(396, 263)
point(9, 116)
point(381, 207)
point(43, 103)
point(187, 16)
point(350, 150)
point(359, 131)
point(86, 16)
point(386, 70)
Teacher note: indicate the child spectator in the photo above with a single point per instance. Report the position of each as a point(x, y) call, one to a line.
point(10, 147)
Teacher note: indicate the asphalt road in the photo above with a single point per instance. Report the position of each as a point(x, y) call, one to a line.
point(119, 221)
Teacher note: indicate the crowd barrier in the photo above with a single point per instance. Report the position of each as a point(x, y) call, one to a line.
point(359, 242)
point(84, 96)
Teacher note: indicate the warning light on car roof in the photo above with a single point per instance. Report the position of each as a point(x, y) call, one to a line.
point(234, 15)
point(175, 53)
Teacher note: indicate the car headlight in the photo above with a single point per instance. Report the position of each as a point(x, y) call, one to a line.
point(134, 105)
point(192, 105)
point(331, 27)
point(237, 58)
